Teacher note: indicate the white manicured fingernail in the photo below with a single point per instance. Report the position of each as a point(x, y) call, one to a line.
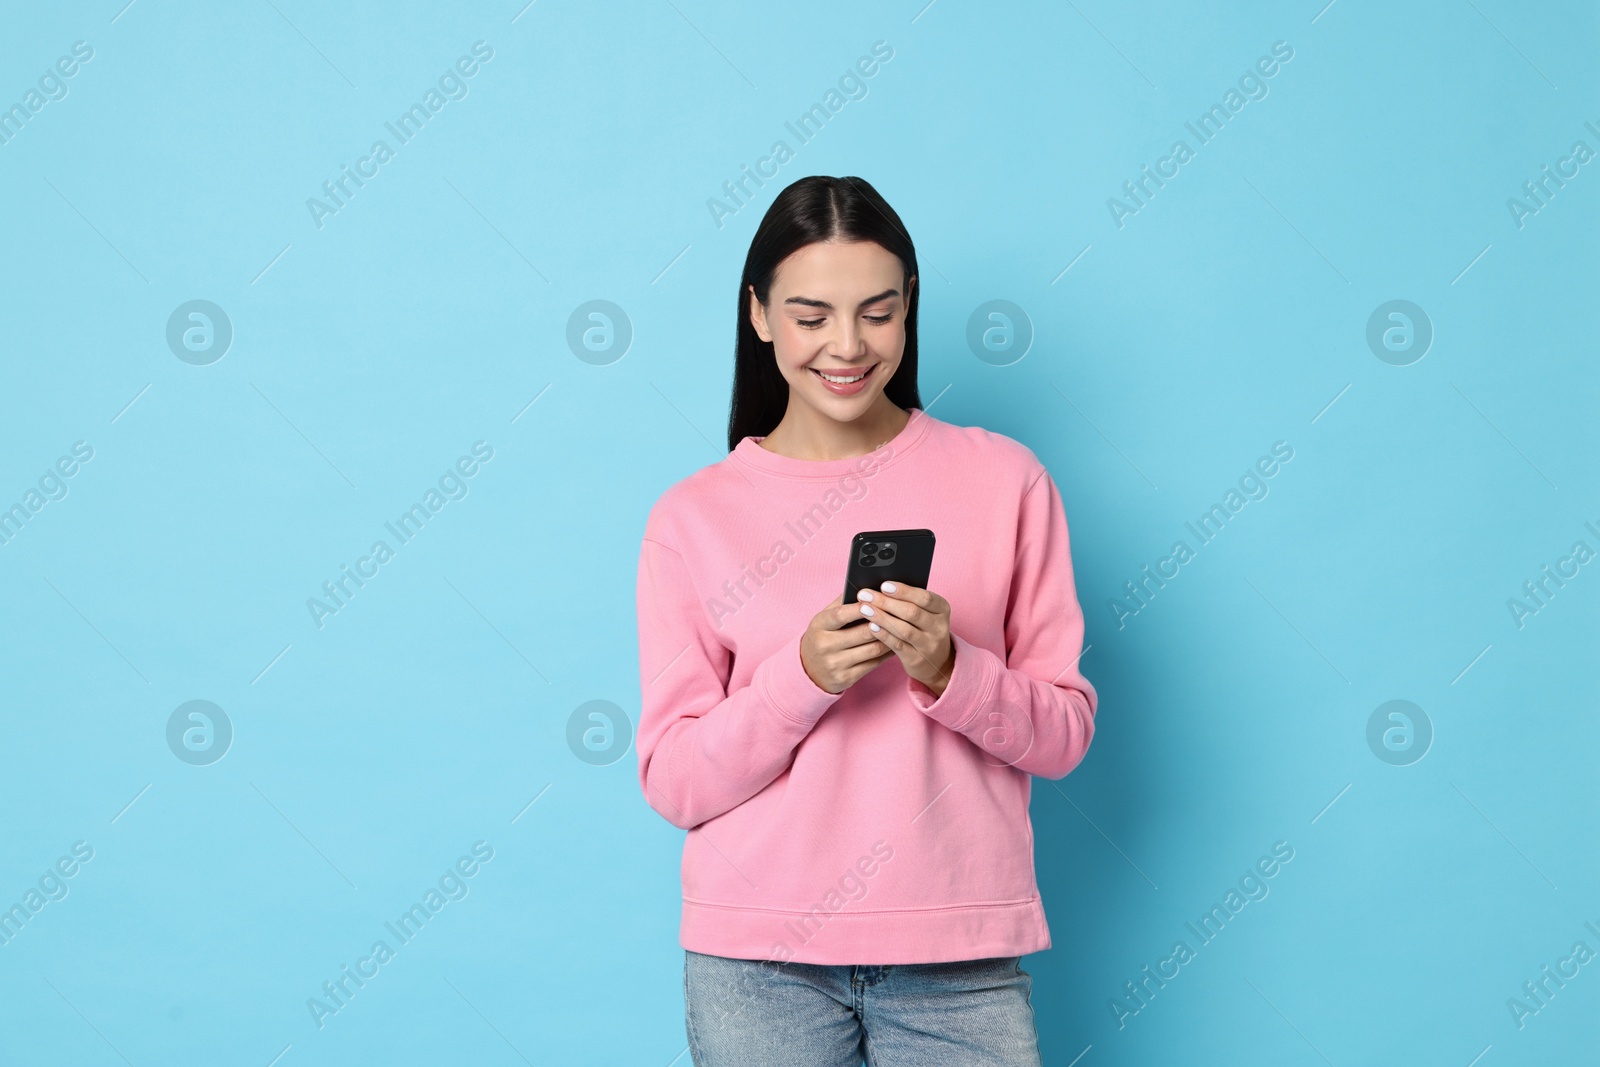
point(867, 611)
point(865, 594)
point(875, 627)
point(889, 587)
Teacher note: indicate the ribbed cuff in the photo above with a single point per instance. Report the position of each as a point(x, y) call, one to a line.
point(972, 679)
point(789, 690)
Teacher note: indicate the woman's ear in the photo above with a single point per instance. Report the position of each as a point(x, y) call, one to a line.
point(758, 317)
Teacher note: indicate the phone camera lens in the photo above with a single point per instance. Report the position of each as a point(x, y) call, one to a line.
point(886, 553)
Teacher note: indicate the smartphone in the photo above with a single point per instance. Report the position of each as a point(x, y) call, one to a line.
point(879, 556)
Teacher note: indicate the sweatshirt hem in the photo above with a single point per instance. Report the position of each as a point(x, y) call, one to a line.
point(940, 934)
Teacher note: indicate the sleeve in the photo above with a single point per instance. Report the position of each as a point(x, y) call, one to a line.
point(1034, 710)
point(702, 750)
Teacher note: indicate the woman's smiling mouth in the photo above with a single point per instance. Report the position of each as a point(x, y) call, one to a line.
point(847, 384)
point(845, 378)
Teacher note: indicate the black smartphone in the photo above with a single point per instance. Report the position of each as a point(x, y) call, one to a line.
point(879, 556)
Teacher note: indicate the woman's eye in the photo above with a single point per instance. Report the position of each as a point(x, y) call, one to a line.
point(876, 320)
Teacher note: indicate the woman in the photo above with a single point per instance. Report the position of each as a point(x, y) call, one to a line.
point(858, 876)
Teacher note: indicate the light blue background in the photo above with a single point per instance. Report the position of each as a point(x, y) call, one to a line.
point(427, 314)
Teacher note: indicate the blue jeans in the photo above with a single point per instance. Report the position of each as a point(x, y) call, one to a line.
point(761, 1013)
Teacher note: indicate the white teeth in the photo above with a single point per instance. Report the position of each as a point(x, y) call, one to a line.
point(842, 381)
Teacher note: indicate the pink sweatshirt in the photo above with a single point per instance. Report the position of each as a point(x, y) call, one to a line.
point(879, 825)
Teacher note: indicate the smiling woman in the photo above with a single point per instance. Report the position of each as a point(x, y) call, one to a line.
point(782, 735)
point(840, 343)
point(827, 309)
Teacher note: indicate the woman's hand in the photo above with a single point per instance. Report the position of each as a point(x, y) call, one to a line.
point(914, 624)
point(836, 658)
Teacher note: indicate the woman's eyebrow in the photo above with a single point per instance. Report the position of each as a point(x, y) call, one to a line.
point(809, 302)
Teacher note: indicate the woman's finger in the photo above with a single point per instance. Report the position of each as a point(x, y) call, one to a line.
point(879, 621)
point(865, 652)
point(902, 637)
point(882, 603)
point(914, 658)
point(923, 598)
point(852, 636)
point(838, 613)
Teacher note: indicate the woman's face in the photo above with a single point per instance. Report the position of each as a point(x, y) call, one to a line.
point(836, 308)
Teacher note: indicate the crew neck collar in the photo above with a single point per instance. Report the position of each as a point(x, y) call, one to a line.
point(749, 451)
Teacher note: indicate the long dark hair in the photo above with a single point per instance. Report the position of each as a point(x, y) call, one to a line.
point(818, 208)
